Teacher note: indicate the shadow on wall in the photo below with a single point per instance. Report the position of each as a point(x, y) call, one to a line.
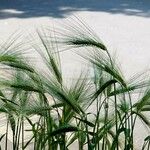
point(61, 8)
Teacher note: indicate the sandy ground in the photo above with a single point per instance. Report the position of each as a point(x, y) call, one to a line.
point(123, 25)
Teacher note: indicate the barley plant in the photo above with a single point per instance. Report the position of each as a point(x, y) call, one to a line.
point(40, 111)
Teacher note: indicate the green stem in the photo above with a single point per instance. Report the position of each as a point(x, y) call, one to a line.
point(115, 97)
point(15, 136)
point(132, 122)
point(6, 140)
point(18, 140)
point(22, 133)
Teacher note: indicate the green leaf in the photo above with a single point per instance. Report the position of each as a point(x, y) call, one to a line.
point(147, 138)
point(103, 87)
point(85, 121)
point(64, 129)
point(79, 41)
point(2, 137)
